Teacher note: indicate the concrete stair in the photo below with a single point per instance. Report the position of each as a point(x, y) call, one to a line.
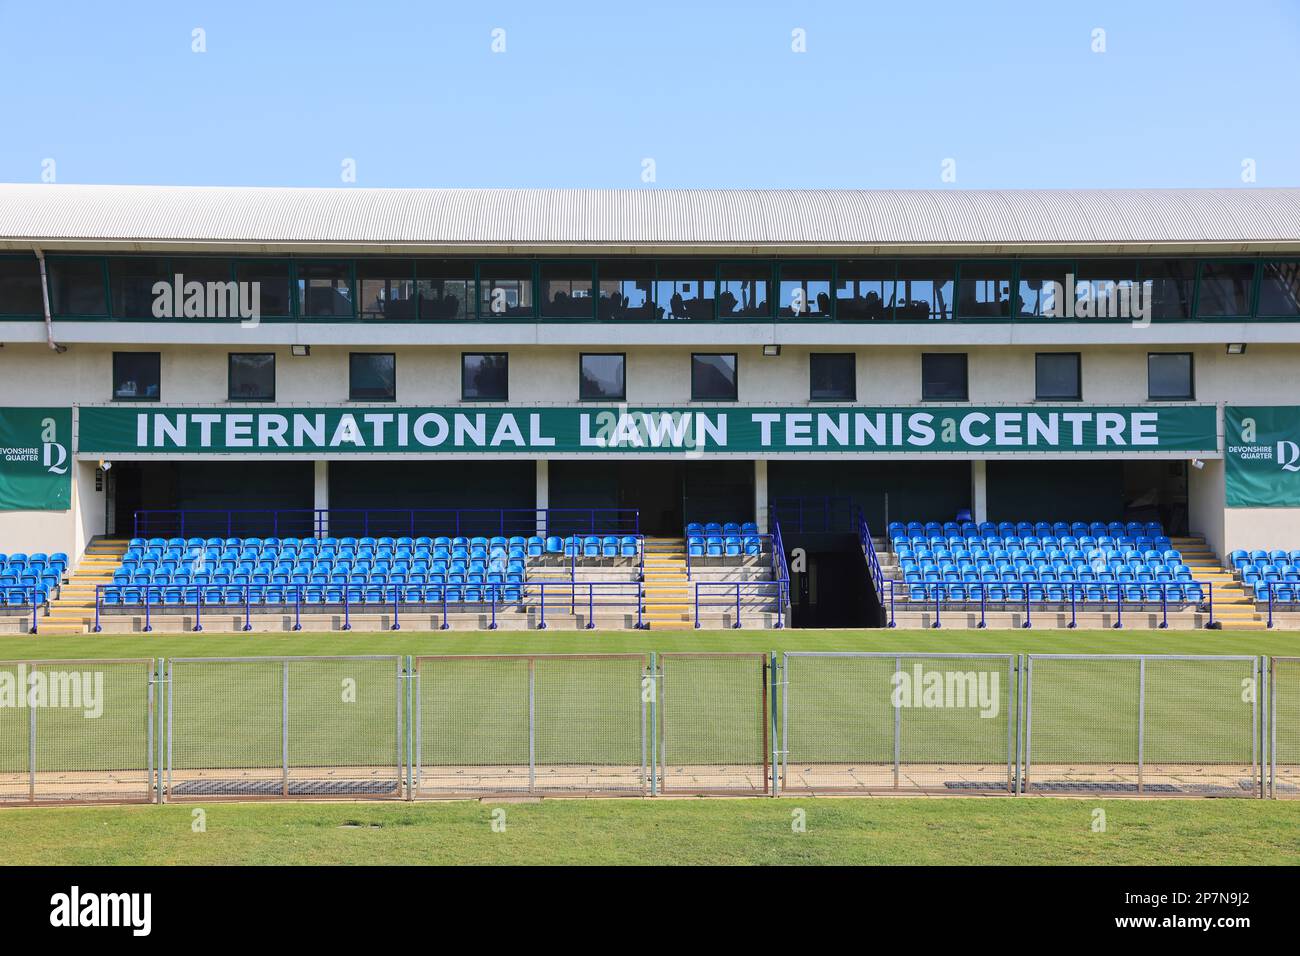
point(73, 611)
point(1233, 608)
point(669, 602)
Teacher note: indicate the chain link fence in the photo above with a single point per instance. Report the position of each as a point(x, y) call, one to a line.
point(558, 724)
point(254, 727)
point(1159, 725)
point(868, 722)
point(1284, 725)
point(77, 731)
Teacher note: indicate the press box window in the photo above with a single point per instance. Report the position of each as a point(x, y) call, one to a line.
point(372, 376)
point(943, 377)
point(713, 378)
point(602, 377)
point(252, 377)
point(20, 286)
point(1169, 377)
point(833, 376)
point(1056, 377)
point(485, 377)
point(137, 376)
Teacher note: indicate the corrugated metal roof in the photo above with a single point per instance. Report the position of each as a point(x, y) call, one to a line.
point(737, 218)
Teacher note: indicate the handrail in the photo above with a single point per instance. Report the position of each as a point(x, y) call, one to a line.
point(869, 549)
point(30, 596)
point(731, 592)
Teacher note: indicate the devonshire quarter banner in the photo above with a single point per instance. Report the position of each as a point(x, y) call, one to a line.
point(1262, 456)
point(35, 459)
point(700, 430)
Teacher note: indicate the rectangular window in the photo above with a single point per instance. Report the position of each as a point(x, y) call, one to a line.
point(445, 288)
point(77, 286)
point(20, 286)
point(686, 290)
point(131, 279)
point(743, 290)
point(1225, 289)
point(1056, 377)
point(252, 377)
point(924, 291)
point(1103, 289)
point(372, 376)
point(1279, 289)
point(805, 290)
point(1172, 282)
point(865, 291)
point(1169, 377)
point(221, 298)
point(137, 376)
point(272, 278)
point(626, 290)
point(984, 290)
point(505, 290)
point(943, 377)
point(602, 376)
point(325, 290)
point(1040, 289)
point(387, 288)
point(713, 377)
point(832, 376)
point(566, 290)
point(485, 377)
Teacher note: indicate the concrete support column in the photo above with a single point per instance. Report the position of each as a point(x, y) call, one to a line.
point(543, 497)
point(760, 495)
point(321, 494)
point(979, 491)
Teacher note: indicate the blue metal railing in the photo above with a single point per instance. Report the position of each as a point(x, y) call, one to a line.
point(1270, 596)
point(449, 598)
point(873, 559)
point(730, 595)
point(943, 595)
point(35, 597)
point(319, 522)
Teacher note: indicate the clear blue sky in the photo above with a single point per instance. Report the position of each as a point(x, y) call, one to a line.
point(886, 91)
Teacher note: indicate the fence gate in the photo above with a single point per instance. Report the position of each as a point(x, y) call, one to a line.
point(1160, 725)
point(713, 723)
point(251, 727)
point(77, 731)
point(862, 722)
point(517, 724)
point(1284, 727)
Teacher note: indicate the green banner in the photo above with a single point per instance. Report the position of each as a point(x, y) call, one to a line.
point(35, 459)
point(695, 430)
point(1262, 456)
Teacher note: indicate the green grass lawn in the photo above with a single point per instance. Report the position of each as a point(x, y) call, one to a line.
point(694, 831)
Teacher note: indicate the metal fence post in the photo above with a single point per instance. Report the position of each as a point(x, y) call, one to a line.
point(284, 727)
point(167, 683)
point(1142, 707)
point(1020, 714)
point(654, 725)
point(1272, 728)
point(1011, 722)
point(1028, 723)
point(31, 745)
point(898, 725)
point(776, 752)
point(532, 724)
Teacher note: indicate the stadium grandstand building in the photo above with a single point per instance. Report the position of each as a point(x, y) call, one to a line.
point(270, 408)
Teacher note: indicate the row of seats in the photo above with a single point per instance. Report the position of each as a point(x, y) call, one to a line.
point(718, 529)
point(26, 577)
point(385, 576)
point(1270, 573)
point(352, 594)
point(273, 549)
point(1059, 592)
point(729, 546)
point(38, 562)
point(966, 529)
point(1031, 541)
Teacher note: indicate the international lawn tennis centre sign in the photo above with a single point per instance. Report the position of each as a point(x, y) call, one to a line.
point(736, 429)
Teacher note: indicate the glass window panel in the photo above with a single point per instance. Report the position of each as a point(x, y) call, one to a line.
point(137, 376)
point(506, 289)
point(387, 288)
point(485, 376)
point(743, 290)
point(445, 288)
point(924, 291)
point(685, 290)
point(713, 378)
point(272, 277)
point(77, 286)
point(1172, 282)
point(131, 279)
point(566, 290)
point(985, 291)
point(1225, 289)
point(1169, 376)
point(626, 291)
point(805, 290)
point(325, 289)
point(1279, 288)
point(20, 286)
point(602, 376)
point(1103, 288)
point(833, 376)
point(865, 291)
point(252, 377)
point(1040, 290)
point(1056, 376)
point(372, 376)
point(943, 377)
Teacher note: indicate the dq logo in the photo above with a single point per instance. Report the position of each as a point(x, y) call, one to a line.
point(54, 457)
point(1288, 455)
